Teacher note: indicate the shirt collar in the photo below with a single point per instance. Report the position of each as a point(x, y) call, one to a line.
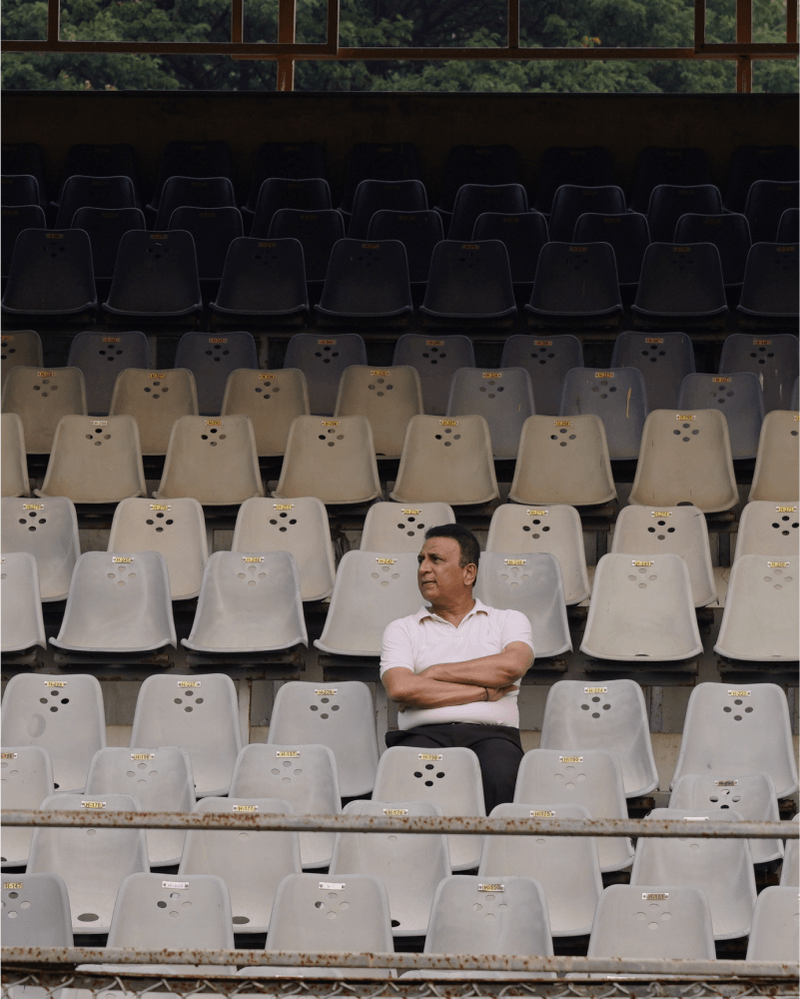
point(425, 614)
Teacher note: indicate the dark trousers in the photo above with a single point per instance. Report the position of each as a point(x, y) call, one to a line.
point(497, 747)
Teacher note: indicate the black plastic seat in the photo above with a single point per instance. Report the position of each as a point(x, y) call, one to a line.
point(729, 233)
point(108, 160)
point(577, 283)
point(183, 158)
point(316, 232)
point(308, 194)
point(93, 192)
point(751, 163)
point(766, 202)
point(485, 164)
point(213, 231)
point(770, 286)
point(366, 281)
point(101, 357)
point(378, 161)
point(683, 166)
point(571, 201)
point(789, 226)
point(391, 195)
point(680, 284)
point(668, 202)
point(211, 359)
point(469, 283)
point(25, 157)
point(198, 192)
point(283, 159)
point(473, 200)
point(547, 360)
point(628, 234)
point(419, 232)
point(14, 219)
point(19, 189)
point(586, 166)
point(106, 227)
point(523, 234)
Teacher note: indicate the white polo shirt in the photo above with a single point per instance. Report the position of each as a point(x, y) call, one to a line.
point(424, 639)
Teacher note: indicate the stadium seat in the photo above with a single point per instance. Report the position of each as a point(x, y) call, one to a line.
point(522, 233)
point(384, 195)
point(15, 467)
point(201, 715)
point(617, 395)
point(575, 283)
point(155, 399)
point(419, 232)
point(627, 234)
point(93, 192)
point(316, 232)
point(760, 621)
point(770, 287)
point(738, 730)
point(307, 194)
point(788, 226)
point(669, 474)
point(663, 165)
point(27, 779)
point(305, 776)
point(473, 200)
point(571, 201)
point(738, 395)
point(322, 360)
point(773, 933)
point(503, 396)
point(680, 284)
point(211, 359)
point(776, 472)
point(15, 219)
point(191, 159)
point(49, 532)
point(668, 202)
point(31, 394)
point(766, 201)
point(469, 283)
point(72, 729)
point(370, 591)
point(101, 160)
point(213, 231)
point(106, 227)
point(664, 361)
point(584, 166)
point(22, 604)
point(563, 461)
point(20, 348)
point(101, 357)
point(36, 913)
point(378, 161)
point(611, 715)
point(395, 527)
point(547, 362)
point(19, 189)
point(284, 159)
point(197, 192)
point(768, 529)
point(366, 282)
point(475, 164)
point(24, 157)
point(50, 278)
point(729, 233)
point(450, 778)
point(773, 358)
point(790, 869)
point(436, 361)
point(388, 397)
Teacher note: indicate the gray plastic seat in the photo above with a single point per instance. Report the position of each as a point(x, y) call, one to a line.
point(211, 358)
point(588, 777)
point(503, 396)
point(388, 397)
point(305, 777)
point(563, 460)
point(663, 359)
point(156, 399)
point(768, 529)
point(272, 399)
point(670, 474)
point(332, 459)
point(618, 396)
point(40, 397)
point(35, 912)
point(410, 865)
point(341, 716)
point(201, 715)
point(252, 864)
point(738, 730)
point(23, 624)
point(213, 460)
point(95, 460)
point(20, 347)
point(530, 583)
point(26, 779)
point(677, 530)
point(118, 603)
point(752, 795)
point(450, 778)
point(790, 869)
point(760, 621)
point(777, 460)
point(773, 933)
point(396, 527)
point(609, 714)
point(738, 396)
point(436, 358)
point(101, 357)
point(722, 868)
point(446, 460)
point(772, 356)
point(12, 448)
point(48, 530)
point(547, 359)
point(371, 590)
point(161, 780)
point(322, 359)
point(248, 604)
point(567, 867)
point(177, 530)
point(92, 862)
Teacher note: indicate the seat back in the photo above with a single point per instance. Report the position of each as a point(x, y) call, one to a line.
point(751, 163)
point(469, 281)
point(776, 470)
point(680, 283)
point(768, 529)
point(391, 195)
point(729, 233)
point(20, 189)
point(669, 201)
point(436, 359)
point(20, 348)
point(93, 192)
point(418, 231)
point(16, 218)
point(504, 397)
point(51, 275)
point(366, 281)
point(770, 286)
point(522, 233)
point(284, 159)
point(211, 359)
point(628, 235)
point(316, 231)
point(618, 396)
point(766, 202)
point(393, 527)
point(183, 157)
point(666, 165)
point(199, 192)
point(322, 360)
point(663, 360)
point(547, 360)
point(41, 397)
point(155, 399)
point(473, 200)
point(155, 276)
point(378, 161)
point(101, 160)
point(36, 912)
point(388, 397)
point(101, 357)
point(773, 358)
point(213, 230)
point(773, 933)
point(789, 226)
point(15, 464)
point(571, 201)
point(307, 194)
point(264, 281)
point(738, 396)
point(48, 530)
point(24, 157)
point(22, 607)
point(575, 280)
point(760, 621)
point(106, 227)
point(585, 166)
point(27, 776)
point(476, 164)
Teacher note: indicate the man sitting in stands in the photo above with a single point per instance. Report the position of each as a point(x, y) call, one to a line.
point(453, 667)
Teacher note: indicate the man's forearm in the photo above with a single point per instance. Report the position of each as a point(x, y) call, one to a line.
point(418, 690)
point(497, 670)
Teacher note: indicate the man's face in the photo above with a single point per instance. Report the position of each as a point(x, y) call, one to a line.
point(440, 577)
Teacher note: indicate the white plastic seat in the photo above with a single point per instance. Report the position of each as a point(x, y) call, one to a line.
point(371, 591)
point(12, 448)
point(790, 869)
point(388, 397)
point(23, 624)
point(48, 530)
point(212, 459)
point(398, 527)
point(503, 396)
point(299, 526)
point(567, 867)
point(617, 395)
point(685, 458)
point(767, 528)
point(677, 530)
point(272, 399)
point(160, 778)
point(722, 868)
point(530, 583)
point(450, 778)
point(248, 603)
point(306, 778)
point(333, 460)
point(555, 529)
point(760, 621)
point(176, 529)
point(609, 714)
point(776, 472)
point(26, 778)
point(118, 603)
point(738, 730)
point(201, 715)
point(35, 912)
point(410, 865)
point(773, 934)
point(20, 347)
point(64, 715)
point(252, 864)
point(92, 862)
point(563, 460)
point(446, 460)
point(589, 777)
point(156, 399)
point(41, 397)
point(341, 716)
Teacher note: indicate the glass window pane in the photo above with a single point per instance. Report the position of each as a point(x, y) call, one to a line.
point(261, 20)
point(24, 20)
point(769, 21)
point(587, 23)
point(146, 20)
point(775, 76)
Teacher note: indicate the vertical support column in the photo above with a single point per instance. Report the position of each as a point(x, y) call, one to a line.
point(287, 19)
point(791, 22)
point(53, 20)
point(699, 25)
point(237, 21)
point(744, 36)
point(656, 708)
point(513, 24)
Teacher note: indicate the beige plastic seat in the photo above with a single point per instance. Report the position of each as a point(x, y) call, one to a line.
point(248, 603)
point(388, 397)
point(760, 621)
point(176, 529)
point(23, 624)
point(776, 471)
point(738, 730)
point(678, 530)
point(272, 399)
point(503, 396)
point(95, 460)
point(790, 869)
point(371, 591)
point(333, 460)
point(589, 777)
point(774, 932)
point(641, 610)
point(212, 459)
point(769, 528)
point(555, 529)
point(299, 526)
point(40, 397)
point(26, 777)
point(609, 714)
point(563, 460)
point(48, 530)
point(20, 348)
point(669, 473)
point(156, 399)
point(446, 460)
point(14, 473)
point(397, 527)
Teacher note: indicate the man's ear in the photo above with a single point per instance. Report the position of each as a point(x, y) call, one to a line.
point(470, 573)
